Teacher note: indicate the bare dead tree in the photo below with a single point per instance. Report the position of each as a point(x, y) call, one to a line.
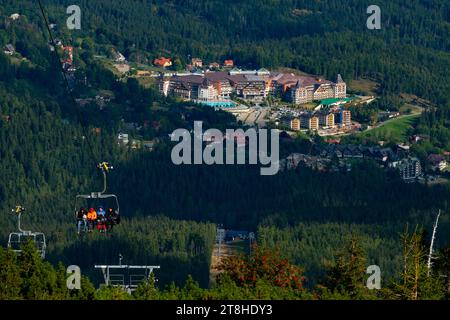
point(432, 242)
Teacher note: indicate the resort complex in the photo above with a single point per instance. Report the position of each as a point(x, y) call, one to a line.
point(254, 85)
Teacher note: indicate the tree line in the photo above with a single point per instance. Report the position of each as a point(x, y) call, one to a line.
point(265, 274)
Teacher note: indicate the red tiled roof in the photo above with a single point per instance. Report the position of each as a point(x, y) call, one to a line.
point(162, 61)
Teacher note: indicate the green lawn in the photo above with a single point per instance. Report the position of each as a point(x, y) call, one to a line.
point(395, 130)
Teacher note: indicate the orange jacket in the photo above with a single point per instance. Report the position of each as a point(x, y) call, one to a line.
point(92, 215)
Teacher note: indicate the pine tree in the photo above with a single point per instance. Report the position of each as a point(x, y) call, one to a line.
point(147, 290)
point(111, 293)
point(347, 275)
point(442, 269)
point(414, 283)
point(10, 280)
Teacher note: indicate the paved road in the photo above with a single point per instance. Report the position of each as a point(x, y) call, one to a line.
point(256, 117)
point(260, 121)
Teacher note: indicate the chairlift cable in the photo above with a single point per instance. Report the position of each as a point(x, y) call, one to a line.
point(103, 166)
point(66, 82)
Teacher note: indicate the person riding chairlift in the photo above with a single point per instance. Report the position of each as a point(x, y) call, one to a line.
point(109, 219)
point(101, 212)
point(92, 218)
point(101, 220)
point(81, 220)
point(112, 218)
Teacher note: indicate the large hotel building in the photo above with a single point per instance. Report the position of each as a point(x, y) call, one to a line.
point(251, 85)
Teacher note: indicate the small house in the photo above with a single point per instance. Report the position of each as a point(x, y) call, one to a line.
point(149, 145)
point(228, 63)
point(14, 16)
point(437, 162)
point(197, 63)
point(163, 62)
point(9, 49)
point(214, 66)
point(120, 58)
point(123, 139)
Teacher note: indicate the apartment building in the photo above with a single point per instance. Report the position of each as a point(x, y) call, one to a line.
point(307, 89)
point(208, 91)
point(326, 119)
point(342, 117)
point(410, 169)
point(309, 121)
point(250, 87)
point(295, 124)
point(346, 117)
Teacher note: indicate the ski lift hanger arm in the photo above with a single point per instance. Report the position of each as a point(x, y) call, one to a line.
point(103, 267)
point(98, 196)
point(105, 167)
point(95, 195)
point(19, 210)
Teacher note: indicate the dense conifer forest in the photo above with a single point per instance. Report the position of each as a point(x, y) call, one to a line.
point(170, 212)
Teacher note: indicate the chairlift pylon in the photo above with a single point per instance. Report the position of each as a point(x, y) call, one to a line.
point(17, 239)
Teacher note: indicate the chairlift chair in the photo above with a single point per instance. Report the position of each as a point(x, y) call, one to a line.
point(105, 167)
point(17, 239)
point(127, 277)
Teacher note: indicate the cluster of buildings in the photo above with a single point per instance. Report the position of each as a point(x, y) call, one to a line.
point(124, 140)
point(254, 85)
point(385, 156)
point(323, 158)
point(324, 118)
point(309, 161)
point(9, 48)
point(68, 59)
point(196, 64)
point(100, 100)
point(67, 55)
point(333, 157)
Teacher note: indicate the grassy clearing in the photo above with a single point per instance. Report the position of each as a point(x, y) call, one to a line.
point(367, 87)
point(109, 65)
point(395, 130)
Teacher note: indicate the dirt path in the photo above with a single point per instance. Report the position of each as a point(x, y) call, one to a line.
point(226, 250)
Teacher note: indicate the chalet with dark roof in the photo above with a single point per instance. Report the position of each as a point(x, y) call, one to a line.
point(9, 49)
